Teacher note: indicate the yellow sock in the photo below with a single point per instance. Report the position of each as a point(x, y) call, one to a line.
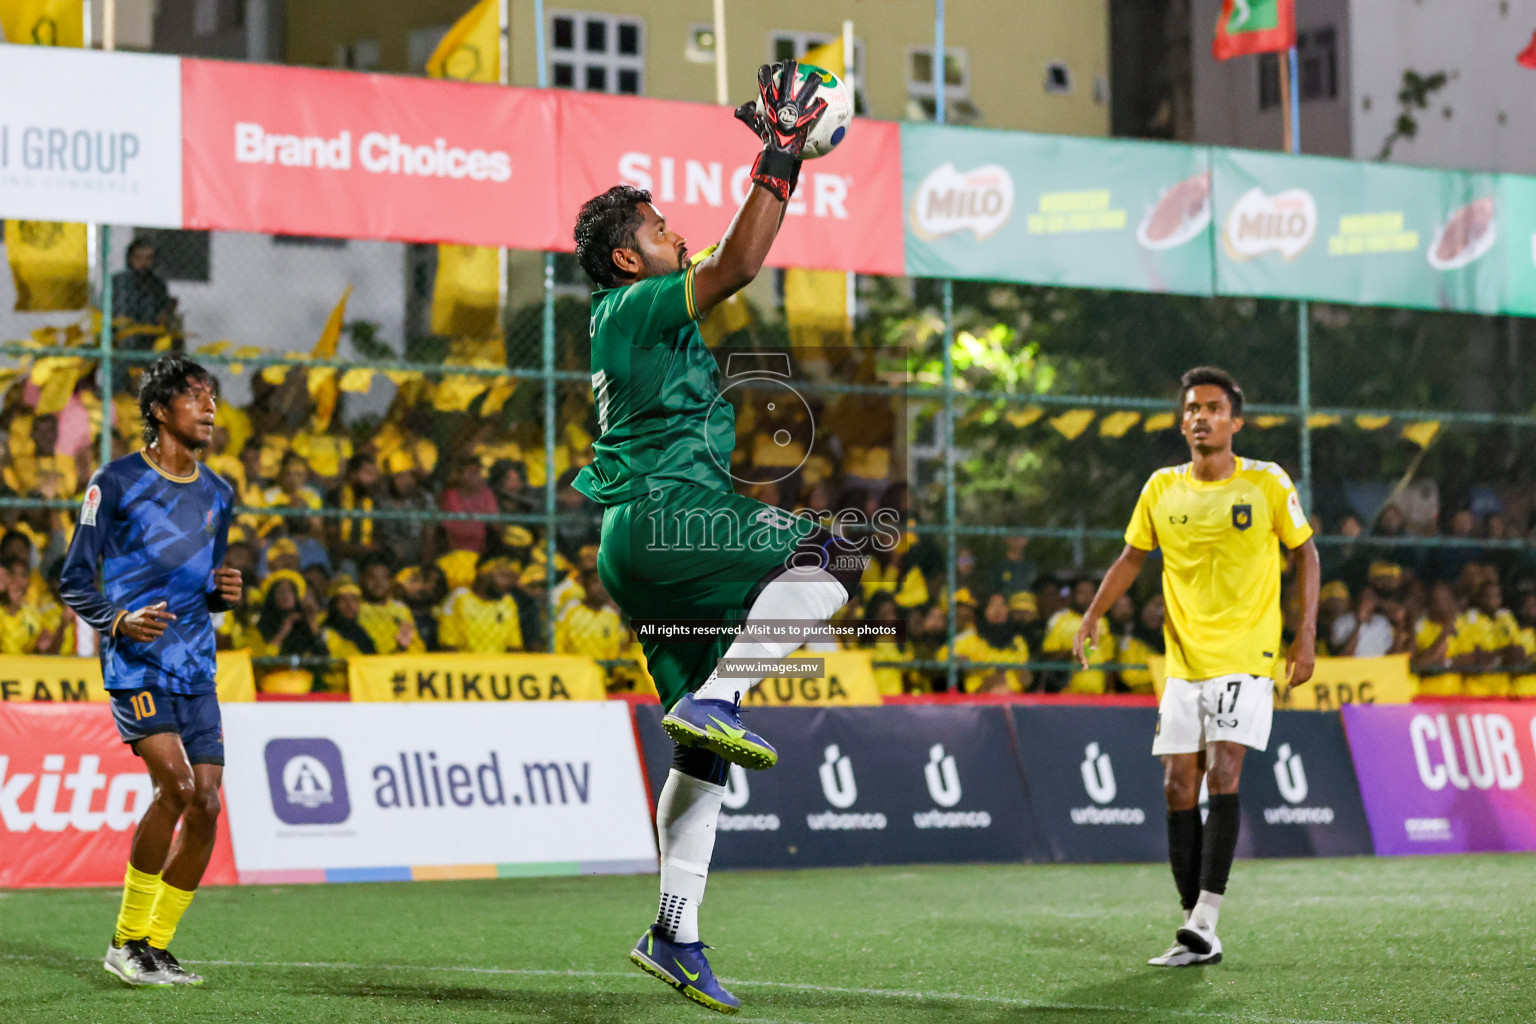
point(170, 904)
point(139, 891)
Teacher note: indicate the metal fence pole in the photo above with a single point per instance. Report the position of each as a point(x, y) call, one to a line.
point(1303, 309)
point(548, 347)
point(105, 369)
point(952, 671)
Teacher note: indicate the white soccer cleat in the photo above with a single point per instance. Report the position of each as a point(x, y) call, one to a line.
point(133, 964)
point(1199, 935)
point(1180, 955)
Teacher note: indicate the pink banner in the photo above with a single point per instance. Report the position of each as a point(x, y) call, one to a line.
point(71, 793)
point(300, 151)
point(696, 160)
point(1446, 777)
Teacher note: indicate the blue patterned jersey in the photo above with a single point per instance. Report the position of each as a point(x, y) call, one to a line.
point(156, 538)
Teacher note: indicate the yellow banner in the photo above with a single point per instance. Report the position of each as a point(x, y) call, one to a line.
point(475, 677)
point(48, 265)
point(1335, 681)
point(849, 680)
point(45, 677)
point(43, 22)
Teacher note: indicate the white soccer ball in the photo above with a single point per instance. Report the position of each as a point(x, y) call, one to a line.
point(833, 126)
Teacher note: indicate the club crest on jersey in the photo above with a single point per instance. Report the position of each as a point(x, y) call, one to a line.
point(208, 522)
point(1242, 516)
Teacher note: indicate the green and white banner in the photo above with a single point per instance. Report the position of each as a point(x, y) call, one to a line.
point(1046, 209)
point(1364, 233)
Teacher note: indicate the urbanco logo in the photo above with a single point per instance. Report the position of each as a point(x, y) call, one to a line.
point(837, 783)
point(1098, 775)
point(943, 777)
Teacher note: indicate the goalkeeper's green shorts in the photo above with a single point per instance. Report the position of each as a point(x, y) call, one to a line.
point(688, 552)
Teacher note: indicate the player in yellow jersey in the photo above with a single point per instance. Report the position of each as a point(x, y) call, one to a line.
point(1220, 521)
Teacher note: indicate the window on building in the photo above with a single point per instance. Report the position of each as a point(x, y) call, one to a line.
point(786, 45)
point(1317, 68)
point(309, 241)
point(597, 52)
point(358, 55)
point(921, 85)
point(701, 44)
point(1058, 77)
point(421, 44)
point(180, 255)
point(205, 17)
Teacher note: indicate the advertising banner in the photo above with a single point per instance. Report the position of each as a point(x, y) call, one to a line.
point(1011, 206)
point(1517, 214)
point(889, 785)
point(849, 679)
point(1446, 778)
point(45, 677)
point(474, 677)
point(89, 136)
point(288, 150)
point(1093, 783)
point(1299, 796)
point(359, 792)
point(1339, 681)
point(71, 792)
point(1363, 233)
point(696, 160)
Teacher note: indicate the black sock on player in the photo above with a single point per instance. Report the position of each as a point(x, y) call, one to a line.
point(1184, 854)
point(1219, 844)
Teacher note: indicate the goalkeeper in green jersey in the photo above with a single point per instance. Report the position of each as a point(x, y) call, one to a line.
point(677, 541)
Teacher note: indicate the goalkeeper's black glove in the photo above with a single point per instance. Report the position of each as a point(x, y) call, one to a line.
point(784, 124)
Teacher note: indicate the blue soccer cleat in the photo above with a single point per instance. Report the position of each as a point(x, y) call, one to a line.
point(716, 725)
point(682, 965)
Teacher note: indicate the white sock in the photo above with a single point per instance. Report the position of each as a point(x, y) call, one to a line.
point(686, 814)
point(1207, 908)
point(803, 595)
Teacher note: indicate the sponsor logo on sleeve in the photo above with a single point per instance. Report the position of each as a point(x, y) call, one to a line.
point(90, 505)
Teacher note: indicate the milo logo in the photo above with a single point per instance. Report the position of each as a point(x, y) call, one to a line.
point(949, 200)
point(1259, 223)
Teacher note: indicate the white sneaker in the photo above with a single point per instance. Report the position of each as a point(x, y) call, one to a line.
point(1180, 955)
point(1199, 935)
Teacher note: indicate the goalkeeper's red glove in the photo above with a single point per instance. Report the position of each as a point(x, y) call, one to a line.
point(784, 124)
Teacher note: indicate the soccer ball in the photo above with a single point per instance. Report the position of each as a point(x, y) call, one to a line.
point(833, 126)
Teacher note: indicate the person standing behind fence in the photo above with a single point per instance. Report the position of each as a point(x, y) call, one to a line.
point(157, 524)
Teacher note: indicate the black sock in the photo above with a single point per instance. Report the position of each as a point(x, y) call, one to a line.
point(1184, 854)
point(1220, 845)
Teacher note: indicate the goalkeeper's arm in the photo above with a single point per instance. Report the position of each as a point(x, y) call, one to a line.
point(783, 126)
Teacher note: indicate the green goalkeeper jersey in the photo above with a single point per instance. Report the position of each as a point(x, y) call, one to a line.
point(660, 418)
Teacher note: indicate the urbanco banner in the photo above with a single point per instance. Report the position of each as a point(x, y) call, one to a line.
point(886, 785)
point(341, 792)
point(90, 136)
point(696, 161)
point(1446, 778)
point(1299, 795)
point(71, 793)
point(304, 151)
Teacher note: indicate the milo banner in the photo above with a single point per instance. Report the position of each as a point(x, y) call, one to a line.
point(475, 678)
point(1517, 206)
point(887, 785)
point(1043, 209)
point(48, 677)
point(1362, 233)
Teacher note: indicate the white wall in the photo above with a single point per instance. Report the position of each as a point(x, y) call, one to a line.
point(1475, 43)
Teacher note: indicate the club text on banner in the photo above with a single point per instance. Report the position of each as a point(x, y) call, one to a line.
point(475, 677)
point(71, 792)
point(375, 792)
point(696, 161)
point(847, 679)
point(90, 137)
point(1446, 778)
point(40, 677)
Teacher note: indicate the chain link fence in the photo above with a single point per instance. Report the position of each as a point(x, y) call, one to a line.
point(402, 489)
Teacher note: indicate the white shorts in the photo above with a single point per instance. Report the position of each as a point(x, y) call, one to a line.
point(1238, 708)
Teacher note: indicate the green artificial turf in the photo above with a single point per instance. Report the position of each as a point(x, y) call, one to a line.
point(1430, 940)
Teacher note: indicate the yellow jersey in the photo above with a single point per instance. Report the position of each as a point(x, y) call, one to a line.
point(20, 629)
point(383, 621)
point(1221, 564)
point(971, 646)
point(1478, 631)
point(472, 624)
point(595, 633)
point(1057, 645)
point(1131, 649)
point(1426, 636)
point(1524, 685)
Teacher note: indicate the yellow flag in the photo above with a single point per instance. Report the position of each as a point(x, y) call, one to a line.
point(728, 317)
point(330, 336)
point(467, 291)
point(1319, 420)
point(471, 51)
point(1422, 432)
point(1117, 423)
point(1161, 421)
point(1265, 422)
point(356, 381)
point(816, 307)
point(455, 392)
point(1022, 418)
point(828, 55)
point(323, 390)
point(48, 264)
point(1072, 423)
point(43, 22)
point(1372, 422)
point(56, 377)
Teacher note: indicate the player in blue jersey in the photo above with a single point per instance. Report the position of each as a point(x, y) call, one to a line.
point(156, 524)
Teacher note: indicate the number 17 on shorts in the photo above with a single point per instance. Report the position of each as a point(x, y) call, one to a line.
point(1237, 708)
